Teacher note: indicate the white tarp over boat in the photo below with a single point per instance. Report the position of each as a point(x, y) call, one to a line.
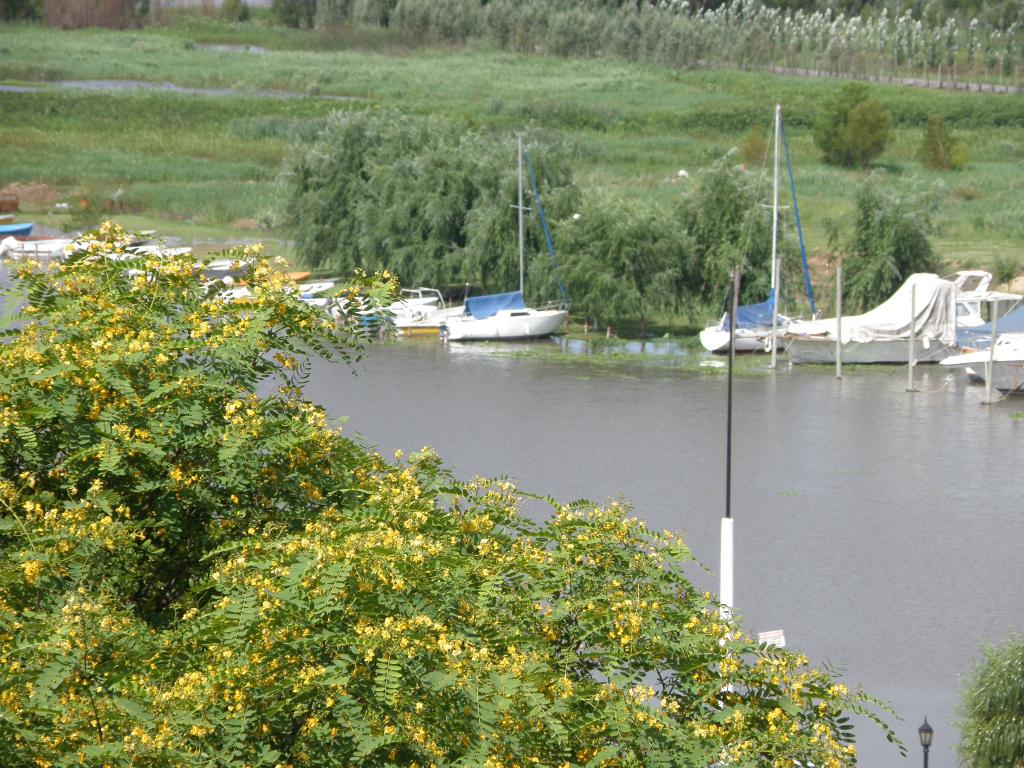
point(934, 302)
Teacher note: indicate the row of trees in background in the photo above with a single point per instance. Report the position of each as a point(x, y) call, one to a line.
point(433, 202)
point(920, 41)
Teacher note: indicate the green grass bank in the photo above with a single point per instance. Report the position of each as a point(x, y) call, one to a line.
point(214, 162)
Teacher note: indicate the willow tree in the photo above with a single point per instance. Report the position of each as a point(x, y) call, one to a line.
point(621, 260)
point(426, 198)
point(992, 709)
point(727, 224)
point(890, 242)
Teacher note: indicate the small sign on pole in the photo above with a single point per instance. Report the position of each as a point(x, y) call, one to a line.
point(776, 637)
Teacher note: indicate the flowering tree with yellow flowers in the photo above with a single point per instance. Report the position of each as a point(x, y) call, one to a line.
point(197, 574)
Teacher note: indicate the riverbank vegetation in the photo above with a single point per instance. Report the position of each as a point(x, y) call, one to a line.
point(992, 708)
point(626, 130)
point(197, 569)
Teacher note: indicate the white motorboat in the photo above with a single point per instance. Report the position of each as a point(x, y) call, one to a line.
point(47, 249)
point(1004, 363)
point(980, 336)
point(883, 334)
point(421, 312)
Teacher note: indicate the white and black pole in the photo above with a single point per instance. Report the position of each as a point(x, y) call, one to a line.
point(519, 141)
point(725, 591)
point(776, 272)
point(990, 364)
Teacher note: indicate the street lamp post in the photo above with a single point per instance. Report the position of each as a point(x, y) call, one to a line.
point(925, 732)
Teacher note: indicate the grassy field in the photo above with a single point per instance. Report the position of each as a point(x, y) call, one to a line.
point(214, 162)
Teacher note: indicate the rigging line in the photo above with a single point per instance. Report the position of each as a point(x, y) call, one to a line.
point(547, 233)
point(799, 228)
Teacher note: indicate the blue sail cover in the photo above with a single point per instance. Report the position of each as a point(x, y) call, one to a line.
point(481, 307)
point(979, 336)
point(752, 316)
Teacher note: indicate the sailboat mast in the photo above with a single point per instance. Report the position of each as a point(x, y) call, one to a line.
point(775, 237)
point(519, 138)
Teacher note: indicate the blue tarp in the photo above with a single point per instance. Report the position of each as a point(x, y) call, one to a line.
point(487, 306)
point(752, 316)
point(979, 336)
point(15, 229)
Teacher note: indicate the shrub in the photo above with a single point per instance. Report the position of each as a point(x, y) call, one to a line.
point(890, 242)
point(852, 128)
point(940, 149)
point(992, 709)
point(294, 13)
point(754, 147)
point(235, 10)
point(21, 10)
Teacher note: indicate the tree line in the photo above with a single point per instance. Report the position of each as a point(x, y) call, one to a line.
point(434, 202)
point(952, 42)
point(957, 40)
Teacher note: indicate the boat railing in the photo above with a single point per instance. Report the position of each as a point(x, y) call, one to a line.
point(555, 304)
point(423, 293)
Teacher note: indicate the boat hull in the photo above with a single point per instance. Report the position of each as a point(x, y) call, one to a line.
point(716, 339)
point(896, 352)
point(1007, 367)
point(506, 326)
point(429, 324)
point(15, 230)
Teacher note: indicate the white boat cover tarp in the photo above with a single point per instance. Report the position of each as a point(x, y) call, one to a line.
point(934, 315)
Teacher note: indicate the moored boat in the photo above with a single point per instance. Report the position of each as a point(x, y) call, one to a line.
point(883, 334)
point(16, 229)
point(1004, 363)
point(502, 316)
point(505, 316)
point(760, 327)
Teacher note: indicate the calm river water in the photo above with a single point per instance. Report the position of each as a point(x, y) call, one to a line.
point(882, 530)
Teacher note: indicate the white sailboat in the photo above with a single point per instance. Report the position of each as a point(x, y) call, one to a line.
point(759, 327)
point(505, 316)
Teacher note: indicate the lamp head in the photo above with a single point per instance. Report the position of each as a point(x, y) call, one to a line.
point(925, 732)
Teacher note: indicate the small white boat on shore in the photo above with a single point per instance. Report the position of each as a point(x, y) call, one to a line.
point(45, 249)
point(753, 330)
point(1004, 363)
point(761, 327)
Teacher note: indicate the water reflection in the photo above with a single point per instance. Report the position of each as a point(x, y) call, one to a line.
point(649, 347)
